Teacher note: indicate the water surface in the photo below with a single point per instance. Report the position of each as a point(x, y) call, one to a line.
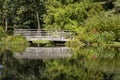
point(60, 63)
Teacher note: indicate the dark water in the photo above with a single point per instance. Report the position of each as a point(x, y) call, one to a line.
point(88, 63)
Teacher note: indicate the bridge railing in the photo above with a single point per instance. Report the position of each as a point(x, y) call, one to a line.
point(44, 33)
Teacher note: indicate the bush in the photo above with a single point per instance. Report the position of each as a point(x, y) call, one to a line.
point(74, 43)
point(105, 22)
point(15, 40)
point(92, 36)
point(87, 36)
point(105, 37)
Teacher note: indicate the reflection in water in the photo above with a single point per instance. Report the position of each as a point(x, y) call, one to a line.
point(44, 52)
point(91, 63)
point(0, 69)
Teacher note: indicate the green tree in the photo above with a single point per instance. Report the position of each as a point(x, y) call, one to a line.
point(29, 14)
point(6, 12)
point(66, 14)
point(21, 14)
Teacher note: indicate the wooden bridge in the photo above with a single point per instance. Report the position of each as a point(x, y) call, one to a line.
point(44, 52)
point(51, 35)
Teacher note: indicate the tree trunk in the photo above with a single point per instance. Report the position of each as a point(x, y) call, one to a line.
point(38, 20)
point(37, 14)
point(6, 24)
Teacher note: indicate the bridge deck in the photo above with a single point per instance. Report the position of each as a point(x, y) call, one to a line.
point(51, 35)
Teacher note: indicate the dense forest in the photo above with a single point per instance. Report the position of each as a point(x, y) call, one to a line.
point(92, 20)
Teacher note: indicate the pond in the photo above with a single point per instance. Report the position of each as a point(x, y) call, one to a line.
point(60, 63)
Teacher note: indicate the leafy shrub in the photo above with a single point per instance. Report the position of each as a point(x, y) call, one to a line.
point(16, 48)
point(92, 36)
point(87, 36)
point(104, 22)
point(105, 37)
point(17, 40)
point(74, 43)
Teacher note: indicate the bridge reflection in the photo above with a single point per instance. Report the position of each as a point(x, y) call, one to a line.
point(44, 52)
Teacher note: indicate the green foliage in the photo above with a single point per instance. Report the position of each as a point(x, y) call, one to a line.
point(105, 37)
point(12, 40)
point(98, 52)
point(21, 14)
point(13, 47)
point(72, 15)
point(41, 41)
point(95, 9)
point(92, 36)
point(16, 40)
point(86, 63)
point(117, 6)
point(74, 43)
point(2, 33)
point(81, 16)
point(87, 37)
point(114, 44)
point(44, 43)
point(104, 22)
point(17, 48)
point(83, 64)
point(65, 16)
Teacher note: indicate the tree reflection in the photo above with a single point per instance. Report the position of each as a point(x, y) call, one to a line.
point(96, 63)
point(91, 63)
point(16, 69)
